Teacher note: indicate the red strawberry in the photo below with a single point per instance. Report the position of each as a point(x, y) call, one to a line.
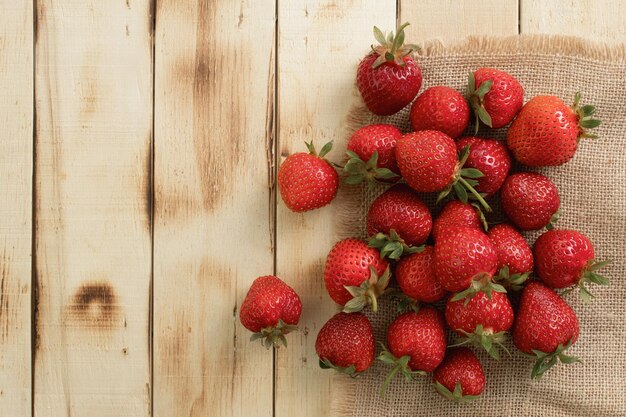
point(565, 258)
point(460, 376)
point(458, 214)
point(355, 275)
point(545, 327)
point(271, 309)
point(389, 78)
point(346, 343)
point(440, 108)
point(491, 158)
point(307, 181)
point(371, 150)
point(546, 132)
point(416, 276)
point(515, 258)
point(530, 200)
point(417, 343)
point(496, 97)
point(481, 320)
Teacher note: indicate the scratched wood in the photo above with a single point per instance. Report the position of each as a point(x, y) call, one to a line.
point(214, 203)
point(92, 209)
point(16, 155)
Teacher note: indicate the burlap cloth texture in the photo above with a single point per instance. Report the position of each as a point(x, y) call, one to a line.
point(592, 187)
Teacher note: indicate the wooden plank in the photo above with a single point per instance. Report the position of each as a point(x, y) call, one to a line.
point(320, 45)
point(16, 156)
point(93, 212)
point(214, 203)
point(601, 20)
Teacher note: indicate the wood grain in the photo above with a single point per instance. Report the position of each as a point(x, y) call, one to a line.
point(214, 204)
point(93, 212)
point(16, 156)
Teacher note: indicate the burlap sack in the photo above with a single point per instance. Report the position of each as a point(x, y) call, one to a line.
point(593, 200)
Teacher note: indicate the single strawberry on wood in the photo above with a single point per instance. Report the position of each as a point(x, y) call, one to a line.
point(371, 154)
point(460, 376)
point(496, 97)
point(440, 108)
point(515, 257)
point(530, 200)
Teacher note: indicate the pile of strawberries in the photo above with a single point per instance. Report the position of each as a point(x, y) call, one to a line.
point(456, 259)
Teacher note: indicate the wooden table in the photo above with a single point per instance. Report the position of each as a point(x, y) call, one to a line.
point(139, 143)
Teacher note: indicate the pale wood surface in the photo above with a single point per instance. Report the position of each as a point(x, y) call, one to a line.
point(16, 156)
point(92, 211)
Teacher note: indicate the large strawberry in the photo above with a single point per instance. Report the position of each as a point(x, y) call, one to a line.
point(415, 274)
point(530, 200)
point(565, 258)
point(417, 344)
point(307, 181)
point(389, 78)
point(458, 214)
point(346, 343)
point(355, 275)
point(496, 96)
point(515, 257)
point(271, 309)
point(481, 320)
point(545, 327)
point(546, 131)
point(440, 108)
point(460, 376)
point(371, 154)
point(491, 158)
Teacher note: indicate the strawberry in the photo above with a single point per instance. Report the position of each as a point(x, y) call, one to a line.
point(417, 344)
point(416, 276)
point(428, 162)
point(515, 258)
point(545, 327)
point(355, 275)
point(546, 131)
point(440, 108)
point(565, 258)
point(389, 78)
point(271, 309)
point(496, 97)
point(530, 200)
point(481, 320)
point(307, 181)
point(346, 343)
point(460, 376)
point(491, 158)
point(371, 154)
point(458, 214)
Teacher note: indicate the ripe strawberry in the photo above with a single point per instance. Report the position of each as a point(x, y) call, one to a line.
point(307, 181)
point(565, 258)
point(546, 131)
point(491, 158)
point(346, 343)
point(530, 200)
point(496, 97)
point(515, 258)
point(371, 154)
point(271, 309)
point(417, 344)
point(545, 327)
point(460, 376)
point(416, 276)
point(458, 214)
point(389, 78)
point(440, 108)
point(355, 275)
point(481, 320)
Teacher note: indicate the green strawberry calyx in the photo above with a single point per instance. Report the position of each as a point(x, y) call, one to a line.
point(391, 47)
point(553, 220)
point(476, 98)
point(484, 339)
point(392, 246)
point(323, 152)
point(585, 118)
point(350, 370)
point(481, 282)
point(357, 170)
point(546, 361)
point(368, 292)
point(590, 275)
point(513, 282)
point(456, 395)
point(400, 365)
point(274, 336)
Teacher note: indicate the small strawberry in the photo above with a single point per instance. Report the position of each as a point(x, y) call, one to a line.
point(565, 258)
point(307, 181)
point(515, 258)
point(417, 344)
point(460, 376)
point(496, 97)
point(355, 275)
point(389, 78)
point(546, 131)
point(458, 214)
point(440, 108)
point(416, 276)
point(371, 154)
point(491, 158)
point(271, 309)
point(481, 320)
point(530, 200)
point(545, 327)
point(346, 343)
